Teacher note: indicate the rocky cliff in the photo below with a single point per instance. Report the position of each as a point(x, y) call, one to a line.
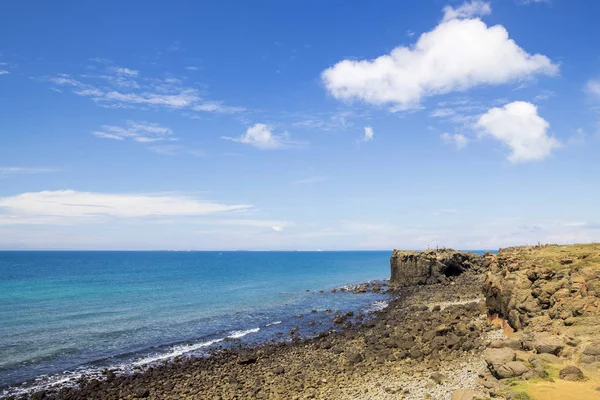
point(409, 268)
point(552, 284)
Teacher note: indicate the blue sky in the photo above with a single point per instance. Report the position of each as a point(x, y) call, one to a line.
point(298, 125)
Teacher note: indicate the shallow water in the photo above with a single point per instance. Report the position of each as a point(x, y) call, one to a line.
point(68, 313)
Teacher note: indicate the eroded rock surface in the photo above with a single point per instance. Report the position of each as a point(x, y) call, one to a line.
point(409, 268)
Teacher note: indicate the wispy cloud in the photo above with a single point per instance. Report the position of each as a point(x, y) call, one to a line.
point(458, 139)
point(593, 87)
point(218, 107)
point(4, 72)
point(121, 87)
point(175, 149)
point(368, 136)
point(314, 179)
point(26, 170)
point(74, 207)
point(192, 68)
point(138, 131)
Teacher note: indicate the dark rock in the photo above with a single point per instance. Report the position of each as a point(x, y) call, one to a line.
point(438, 378)
point(548, 346)
point(354, 357)
point(247, 358)
point(409, 268)
point(571, 373)
point(592, 349)
point(141, 392)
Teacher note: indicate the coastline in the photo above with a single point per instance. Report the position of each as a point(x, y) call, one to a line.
point(521, 324)
point(371, 294)
point(349, 362)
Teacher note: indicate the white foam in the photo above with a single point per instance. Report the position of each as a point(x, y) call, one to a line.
point(377, 306)
point(175, 352)
point(239, 334)
point(273, 323)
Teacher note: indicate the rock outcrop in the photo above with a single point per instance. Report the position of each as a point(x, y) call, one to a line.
point(410, 268)
point(556, 284)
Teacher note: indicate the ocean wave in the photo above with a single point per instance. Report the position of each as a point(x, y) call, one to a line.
point(239, 334)
point(273, 323)
point(175, 351)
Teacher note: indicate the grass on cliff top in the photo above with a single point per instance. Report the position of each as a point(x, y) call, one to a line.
point(559, 256)
point(554, 388)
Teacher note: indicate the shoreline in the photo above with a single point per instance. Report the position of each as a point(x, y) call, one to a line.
point(533, 335)
point(351, 356)
point(315, 322)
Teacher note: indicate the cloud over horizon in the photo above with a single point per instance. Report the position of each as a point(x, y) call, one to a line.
point(68, 206)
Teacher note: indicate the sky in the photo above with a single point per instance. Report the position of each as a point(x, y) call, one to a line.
point(298, 125)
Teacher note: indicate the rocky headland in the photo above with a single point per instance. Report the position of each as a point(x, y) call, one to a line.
point(522, 324)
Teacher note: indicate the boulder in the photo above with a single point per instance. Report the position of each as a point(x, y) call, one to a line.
point(499, 362)
point(571, 373)
point(592, 349)
point(511, 369)
point(548, 345)
point(499, 356)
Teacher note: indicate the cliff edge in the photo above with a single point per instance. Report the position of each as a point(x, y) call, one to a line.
point(410, 268)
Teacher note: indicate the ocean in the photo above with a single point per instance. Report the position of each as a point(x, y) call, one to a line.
point(64, 314)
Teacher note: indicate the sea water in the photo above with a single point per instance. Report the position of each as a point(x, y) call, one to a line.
point(64, 314)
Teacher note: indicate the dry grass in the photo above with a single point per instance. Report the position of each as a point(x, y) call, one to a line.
point(558, 256)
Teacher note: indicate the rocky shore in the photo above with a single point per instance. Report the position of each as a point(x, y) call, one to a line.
point(523, 324)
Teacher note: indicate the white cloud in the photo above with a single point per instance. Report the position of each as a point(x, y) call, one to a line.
point(26, 170)
point(126, 71)
point(457, 55)
point(443, 112)
point(532, 1)
point(470, 9)
point(368, 134)
point(593, 87)
point(277, 228)
point(192, 68)
point(458, 139)
point(126, 88)
point(217, 106)
point(4, 72)
point(64, 206)
point(141, 132)
point(262, 137)
point(520, 128)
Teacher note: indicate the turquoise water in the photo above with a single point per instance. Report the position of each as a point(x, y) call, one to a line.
point(67, 313)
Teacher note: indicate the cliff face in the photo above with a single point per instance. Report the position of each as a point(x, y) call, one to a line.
point(557, 285)
point(409, 268)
